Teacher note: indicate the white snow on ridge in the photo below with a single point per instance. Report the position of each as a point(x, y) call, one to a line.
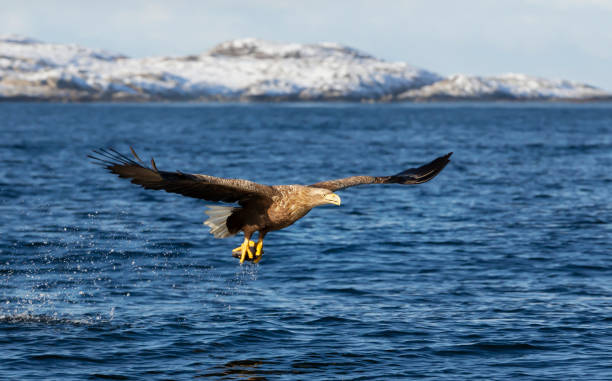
point(26, 53)
point(247, 69)
point(506, 86)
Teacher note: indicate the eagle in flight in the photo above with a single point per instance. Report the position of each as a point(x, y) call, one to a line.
point(262, 208)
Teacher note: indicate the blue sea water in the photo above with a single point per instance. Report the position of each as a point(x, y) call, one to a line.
point(499, 268)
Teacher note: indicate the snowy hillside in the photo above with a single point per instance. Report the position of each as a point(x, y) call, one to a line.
point(507, 86)
point(247, 69)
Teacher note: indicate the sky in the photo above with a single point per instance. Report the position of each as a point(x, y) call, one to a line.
point(568, 39)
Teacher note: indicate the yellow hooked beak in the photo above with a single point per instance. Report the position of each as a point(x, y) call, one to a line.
point(332, 198)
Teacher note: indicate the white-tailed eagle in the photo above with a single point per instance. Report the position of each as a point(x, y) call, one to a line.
point(261, 208)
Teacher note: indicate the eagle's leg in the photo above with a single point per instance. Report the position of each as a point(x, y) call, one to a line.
point(259, 251)
point(239, 248)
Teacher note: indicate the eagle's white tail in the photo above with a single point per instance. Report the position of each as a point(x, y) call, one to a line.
point(217, 219)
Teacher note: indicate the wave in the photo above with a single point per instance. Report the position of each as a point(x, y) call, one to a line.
point(24, 317)
point(488, 347)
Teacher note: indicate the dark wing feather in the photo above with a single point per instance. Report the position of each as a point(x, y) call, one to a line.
point(197, 186)
point(418, 175)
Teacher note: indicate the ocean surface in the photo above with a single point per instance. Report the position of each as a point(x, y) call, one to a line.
point(499, 268)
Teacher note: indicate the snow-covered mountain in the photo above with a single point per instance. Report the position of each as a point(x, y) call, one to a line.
point(504, 87)
point(248, 69)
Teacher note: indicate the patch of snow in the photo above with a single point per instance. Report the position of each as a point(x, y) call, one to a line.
point(17, 38)
point(252, 47)
point(506, 86)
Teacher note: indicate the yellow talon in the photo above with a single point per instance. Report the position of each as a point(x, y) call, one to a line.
point(244, 249)
point(242, 254)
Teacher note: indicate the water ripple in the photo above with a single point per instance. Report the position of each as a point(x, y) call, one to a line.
point(497, 269)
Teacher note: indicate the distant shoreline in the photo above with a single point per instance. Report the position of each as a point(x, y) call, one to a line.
point(22, 99)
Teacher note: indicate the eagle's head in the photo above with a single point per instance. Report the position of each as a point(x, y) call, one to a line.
point(325, 196)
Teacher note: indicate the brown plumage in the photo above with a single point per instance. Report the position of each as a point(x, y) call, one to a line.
point(262, 208)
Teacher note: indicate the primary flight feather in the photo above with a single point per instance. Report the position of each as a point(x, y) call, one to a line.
point(261, 208)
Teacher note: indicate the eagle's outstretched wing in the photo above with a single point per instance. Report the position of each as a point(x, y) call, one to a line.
point(197, 186)
point(410, 176)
